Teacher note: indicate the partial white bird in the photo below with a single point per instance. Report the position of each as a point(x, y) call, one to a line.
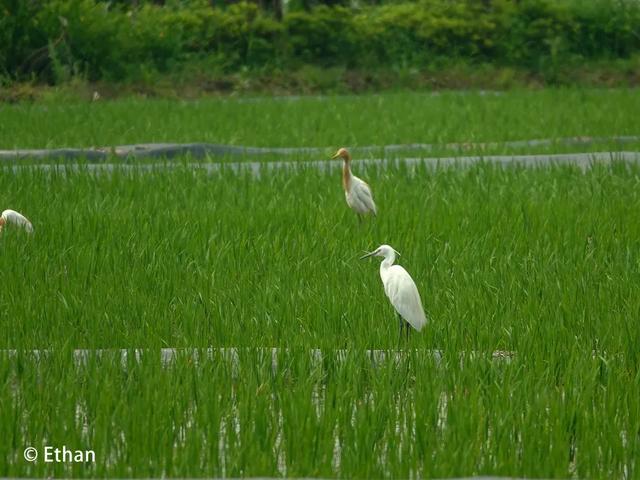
point(15, 218)
point(401, 289)
point(356, 191)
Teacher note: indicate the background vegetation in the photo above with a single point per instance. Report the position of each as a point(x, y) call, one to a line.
point(55, 40)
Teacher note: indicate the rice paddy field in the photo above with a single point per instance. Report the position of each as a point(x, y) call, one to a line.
point(287, 360)
point(404, 118)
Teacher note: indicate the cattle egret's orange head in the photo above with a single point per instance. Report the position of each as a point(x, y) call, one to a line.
point(343, 153)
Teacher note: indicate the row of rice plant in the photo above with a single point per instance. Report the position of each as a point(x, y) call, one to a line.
point(402, 118)
point(323, 416)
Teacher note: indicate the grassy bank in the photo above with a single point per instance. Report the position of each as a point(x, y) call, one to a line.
point(197, 80)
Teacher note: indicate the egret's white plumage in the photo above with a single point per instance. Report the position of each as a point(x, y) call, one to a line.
point(400, 288)
point(356, 191)
point(15, 218)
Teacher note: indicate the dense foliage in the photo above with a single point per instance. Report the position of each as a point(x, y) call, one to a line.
point(53, 40)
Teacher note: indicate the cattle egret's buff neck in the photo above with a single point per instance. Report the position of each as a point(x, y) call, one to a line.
point(346, 176)
point(346, 169)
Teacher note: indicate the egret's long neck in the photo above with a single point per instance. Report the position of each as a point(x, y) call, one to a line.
point(389, 258)
point(346, 175)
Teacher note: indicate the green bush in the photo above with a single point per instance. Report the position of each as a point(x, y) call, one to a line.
point(86, 37)
point(54, 39)
point(23, 44)
point(242, 36)
point(325, 36)
point(421, 32)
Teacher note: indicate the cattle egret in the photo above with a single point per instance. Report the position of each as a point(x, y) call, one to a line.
point(11, 216)
point(401, 290)
point(356, 191)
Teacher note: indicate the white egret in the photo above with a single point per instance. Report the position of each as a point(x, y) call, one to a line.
point(401, 290)
point(11, 216)
point(356, 191)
